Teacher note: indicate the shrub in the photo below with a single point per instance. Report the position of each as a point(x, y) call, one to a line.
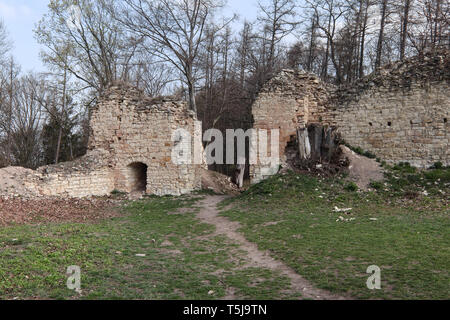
point(376, 185)
point(405, 167)
point(369, 155)
point(117, 193)
point(351, 187)
point(413, 178)
point(438, 165)
point(361, 152)
point(438, 174)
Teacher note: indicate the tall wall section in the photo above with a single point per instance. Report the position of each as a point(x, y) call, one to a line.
point(136, 129)
point(287, 102)
point(400, 114)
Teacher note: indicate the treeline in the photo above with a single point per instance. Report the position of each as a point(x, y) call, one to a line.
point(191, 49)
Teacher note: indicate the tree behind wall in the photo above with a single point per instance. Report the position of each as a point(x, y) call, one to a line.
point(71, 144)
point(21, 145)
point(94, 49)
point(172, 30)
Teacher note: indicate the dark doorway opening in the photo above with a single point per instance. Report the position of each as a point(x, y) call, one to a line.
point(138, 176)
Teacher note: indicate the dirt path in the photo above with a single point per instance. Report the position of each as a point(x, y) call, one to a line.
point(257, 258)
point(363, 170)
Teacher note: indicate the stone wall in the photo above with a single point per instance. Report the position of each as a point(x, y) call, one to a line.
point(288, 102)
point(130, 149)
point(136, 129)
point(400, 113)
point(84, 177)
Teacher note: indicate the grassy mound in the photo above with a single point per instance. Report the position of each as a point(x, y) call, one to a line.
point(401, 225)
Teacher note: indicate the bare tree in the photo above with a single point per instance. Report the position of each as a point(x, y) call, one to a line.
point(243, 51)
point(430, 26)
point(8, 74)
point(331, 14)
point(384, 14)
point(406, 7)
point(82, 37)
point(24, 147)
point(5, 42)
point(9, 81)
point(277, 17)
point(174, 31)
point(153, 78)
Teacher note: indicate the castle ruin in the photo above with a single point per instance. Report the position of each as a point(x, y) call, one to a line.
point(400, 113)
point(130, 149)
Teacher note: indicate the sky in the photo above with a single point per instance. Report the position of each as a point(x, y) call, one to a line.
point(21, 16)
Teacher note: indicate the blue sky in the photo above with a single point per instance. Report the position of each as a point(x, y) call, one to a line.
point(20, 17)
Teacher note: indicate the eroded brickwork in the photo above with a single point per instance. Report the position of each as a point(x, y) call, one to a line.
point(135, 129)
point(130, 149)
point(287, 102)
point(400, 113)
point(398, 125)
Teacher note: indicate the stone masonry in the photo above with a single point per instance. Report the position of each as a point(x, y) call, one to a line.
point(399, 113)
point(289, 101)
point(135, 129)
point(130, 149)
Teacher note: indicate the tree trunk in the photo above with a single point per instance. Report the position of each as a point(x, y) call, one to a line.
point(191, 90)
point(363, 40)
point(63, 114)
point(239, 175)
point(303, 144)
point(312, 43)
point(381, 36)
point(404, 33)
point(327, 53)
point(58, 146)
point(10, 111)
point(317, 143)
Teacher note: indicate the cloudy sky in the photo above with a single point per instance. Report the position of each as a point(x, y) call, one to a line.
point(20, 17)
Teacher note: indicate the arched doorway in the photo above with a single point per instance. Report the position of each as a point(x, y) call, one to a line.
point(137, 176)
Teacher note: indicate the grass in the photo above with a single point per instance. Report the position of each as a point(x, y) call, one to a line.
point(360, 151)
point(404, 180)
point(403, 227)
point(183, 259)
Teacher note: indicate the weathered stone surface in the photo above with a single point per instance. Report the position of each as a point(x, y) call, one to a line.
point(129, 133)
point(288, 102)
point(399, 113)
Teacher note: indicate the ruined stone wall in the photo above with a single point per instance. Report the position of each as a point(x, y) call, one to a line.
point(84, 177)
point(130, 148)
point(287, 102)
point(136, 129)
point(400, 113)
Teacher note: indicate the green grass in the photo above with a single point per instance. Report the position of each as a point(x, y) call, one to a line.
point(184, 260)
point(402, 179)
point(360, 151)
point(402, 226)
point(407, 237)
